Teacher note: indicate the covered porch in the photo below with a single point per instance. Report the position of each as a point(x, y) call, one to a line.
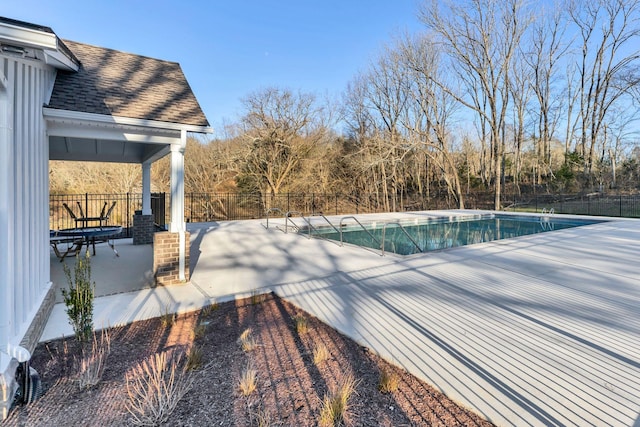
point(135, 110)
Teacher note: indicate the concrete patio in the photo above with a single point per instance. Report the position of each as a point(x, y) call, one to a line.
point(541, 330)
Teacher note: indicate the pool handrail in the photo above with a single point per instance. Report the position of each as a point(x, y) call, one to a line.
point(287, 217)
point(384, 231)
point(329, 222)
point(360, 224)
point(272, 210)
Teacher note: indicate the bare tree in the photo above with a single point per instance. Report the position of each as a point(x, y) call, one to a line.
point(430, 108)
point(281, 129)
point(480, 38)
point(608, 31)
point(547, 47)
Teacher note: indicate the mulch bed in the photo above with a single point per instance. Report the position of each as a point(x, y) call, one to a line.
point(290, 386)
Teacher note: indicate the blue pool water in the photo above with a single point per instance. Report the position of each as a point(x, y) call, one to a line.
point(443, 233)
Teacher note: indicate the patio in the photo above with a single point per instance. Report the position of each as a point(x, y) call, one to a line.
point(131, 271)
point(541, 330)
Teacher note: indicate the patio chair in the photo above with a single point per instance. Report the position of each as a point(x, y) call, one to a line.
point(104, 218)
point(104, 208)
point(81, 211)
point(73, 244)
point(71, 214)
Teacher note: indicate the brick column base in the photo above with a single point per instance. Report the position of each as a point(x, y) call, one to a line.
point(142, 229)
point(166, 258)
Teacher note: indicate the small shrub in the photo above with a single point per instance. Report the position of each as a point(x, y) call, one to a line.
point(168, 318)
point(248, 380)
point(92, 365)
point(335, 405)
point(389, 381)
point(302, 325)
point(247, 341)
point(154, 388)
point(199, 331)
point(320, 353)
point(194, 358)
point(79, 297)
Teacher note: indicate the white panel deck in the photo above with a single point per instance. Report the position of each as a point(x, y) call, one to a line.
point(541, 330)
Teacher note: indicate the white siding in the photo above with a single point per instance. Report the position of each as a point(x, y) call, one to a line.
point(24, 195)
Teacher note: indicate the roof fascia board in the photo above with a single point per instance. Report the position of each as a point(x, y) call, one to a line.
point(28, 36)
point(53, 113)
point(72, 130)
point(59, 60)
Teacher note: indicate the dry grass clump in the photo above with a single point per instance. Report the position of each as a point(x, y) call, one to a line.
point(168, 318)
point(199, 331)
point(247, 341)
point(302, 325)
point(208, 309)
point(257, 298)
point(389, 381)
point(154, 388)
point(248, 380)
point(194, 358)
point(91, 366)
point(320, 353)
point(262, 419)
point(336, 403)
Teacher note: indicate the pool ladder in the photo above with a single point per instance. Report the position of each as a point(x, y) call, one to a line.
point(544, 219)
point(288, 219)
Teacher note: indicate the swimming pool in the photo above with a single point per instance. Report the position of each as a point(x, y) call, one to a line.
point(407, 238)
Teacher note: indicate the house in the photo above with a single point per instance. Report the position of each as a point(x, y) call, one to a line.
point(63, 100)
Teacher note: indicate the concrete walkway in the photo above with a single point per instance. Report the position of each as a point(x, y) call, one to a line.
point(541, 330)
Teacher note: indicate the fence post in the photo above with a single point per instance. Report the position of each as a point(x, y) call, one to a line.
point(336, 203)
point(128, 216)
point(620, 196)
point(86, 205)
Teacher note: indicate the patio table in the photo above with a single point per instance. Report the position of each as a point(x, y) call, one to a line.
point(81, 236)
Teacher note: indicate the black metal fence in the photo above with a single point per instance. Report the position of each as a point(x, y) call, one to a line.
point(206, 207)
point(91, 205)
point(597, 204)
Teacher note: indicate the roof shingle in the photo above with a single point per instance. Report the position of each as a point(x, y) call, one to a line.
point(111, 82)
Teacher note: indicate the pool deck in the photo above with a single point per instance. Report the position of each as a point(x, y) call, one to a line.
point(539, 330)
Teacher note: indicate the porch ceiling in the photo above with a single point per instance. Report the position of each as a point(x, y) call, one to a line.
point(92, 137)
point(103, 150)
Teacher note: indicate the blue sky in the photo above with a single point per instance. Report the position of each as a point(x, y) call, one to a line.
point(230, 48)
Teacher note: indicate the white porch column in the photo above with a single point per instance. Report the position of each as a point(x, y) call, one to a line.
point(177, 187)
point(146, 189)
point(177, 198)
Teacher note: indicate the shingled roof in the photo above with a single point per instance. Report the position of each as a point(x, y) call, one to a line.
point(110, 82)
